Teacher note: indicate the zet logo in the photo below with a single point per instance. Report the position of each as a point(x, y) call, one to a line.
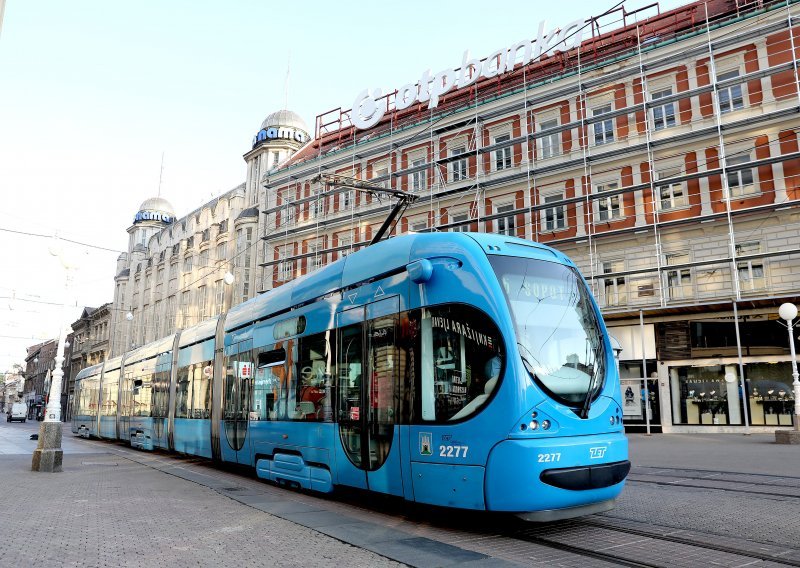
point(597, 453)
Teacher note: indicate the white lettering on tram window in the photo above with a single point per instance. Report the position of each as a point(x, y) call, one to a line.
point(554, 457)
point(453, 451)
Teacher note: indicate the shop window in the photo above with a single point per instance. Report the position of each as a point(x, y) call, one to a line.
point(603, 128)
point(608, 206)
point(615, 290)
point(458, 168)
point(707, 396)
point(502, 156)
point(751, 271)
point(740, 181)
point(549, 144)
point(663, 114)
point(554, 217)
point(678, 280)
point(770, 393)
point(730, 98)
point(505, 225)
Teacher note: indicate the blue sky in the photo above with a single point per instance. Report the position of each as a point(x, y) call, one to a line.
point(92, 92)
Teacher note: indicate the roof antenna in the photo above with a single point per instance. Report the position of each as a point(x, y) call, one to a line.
point(161, 174)
point(286, 82)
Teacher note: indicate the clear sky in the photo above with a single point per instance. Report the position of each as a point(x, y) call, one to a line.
point(92, 92)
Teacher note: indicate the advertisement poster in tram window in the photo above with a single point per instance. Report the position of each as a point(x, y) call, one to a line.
point(631, 397)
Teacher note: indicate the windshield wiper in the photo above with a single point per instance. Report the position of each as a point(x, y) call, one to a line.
point(527, 364)
point(587, 402)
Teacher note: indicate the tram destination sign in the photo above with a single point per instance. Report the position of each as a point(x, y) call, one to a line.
point(367, 112)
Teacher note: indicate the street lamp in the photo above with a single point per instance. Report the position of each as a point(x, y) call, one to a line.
point(48, 455)
point(788, 312)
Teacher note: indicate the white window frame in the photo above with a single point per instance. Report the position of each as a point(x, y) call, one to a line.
point(678, 282)
point(608, 208)
point(418, 226)
point(554, 218)
point(378, 171)
point(603, 130)
point(346, 199)
point(345, 241)
point(459, 217)
point(505, 225)
point(460, 167)
point(663, 116)
point(550, 144)
point(418, 180)
point(615, 288)
point(503, 159)
point(741, 183)
point(752, 272)
point(316, 208)
point(730, 98)
point(670, 195)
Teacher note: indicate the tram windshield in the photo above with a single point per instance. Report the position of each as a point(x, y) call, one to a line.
point(558, 333)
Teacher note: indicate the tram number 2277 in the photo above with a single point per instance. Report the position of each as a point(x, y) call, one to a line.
point(550, 457)
point(453, 451)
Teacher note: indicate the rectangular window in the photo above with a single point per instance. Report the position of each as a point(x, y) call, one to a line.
point(347, 243)
point(221, 254)
point(458, 168)
point(604, 128)
point(203, 260)
point(616, 293)
point(554, 217)
point(608, 207)
point(418, 178)
point(678, 280)
point(285, 266)
point(550, 143)
point(219, 296)
point(505, 225)
point(185, 307)
point(740, 181)
point(346, 200)
point(202, 302)
point(502, 157)
point(663, 115)
point(671, 195)
point(276, 157)
point(460, 218)
point(419, 226)
point(317, 258)
point(380, 173)
point(187, 264)
point(730, 98)
point(751, 272)
point(317, 207)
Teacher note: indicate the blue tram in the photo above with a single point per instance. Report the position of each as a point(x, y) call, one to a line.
point(453, 369)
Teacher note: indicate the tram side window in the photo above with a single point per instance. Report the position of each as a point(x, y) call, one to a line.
point(143, 389)
point(126, 395)
point(461, 358)
point(270, 371)
point(194, 380)
point(110, 393)
point(282, 378)
point(161, 387)
point(313, 398)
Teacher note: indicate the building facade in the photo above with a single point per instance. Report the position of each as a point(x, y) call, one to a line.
point(658, 150)
point(177, 271)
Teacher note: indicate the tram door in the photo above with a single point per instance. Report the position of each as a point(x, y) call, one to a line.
point(236, 402)
point(367, 373)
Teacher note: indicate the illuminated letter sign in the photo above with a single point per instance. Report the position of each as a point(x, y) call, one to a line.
point(367, 112)
point(152, 216)
point(273, 133)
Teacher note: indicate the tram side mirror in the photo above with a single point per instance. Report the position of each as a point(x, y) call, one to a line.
point(420, 271)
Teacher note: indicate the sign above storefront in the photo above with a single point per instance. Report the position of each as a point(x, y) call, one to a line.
point(367, 112)
point(153, 216)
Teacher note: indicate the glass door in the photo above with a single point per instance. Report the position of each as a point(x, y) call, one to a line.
point(236, 403)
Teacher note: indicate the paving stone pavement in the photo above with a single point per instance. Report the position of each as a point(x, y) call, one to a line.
point(105, 510)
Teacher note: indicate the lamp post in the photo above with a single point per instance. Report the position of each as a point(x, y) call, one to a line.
point(48, 455)
point(788, 312)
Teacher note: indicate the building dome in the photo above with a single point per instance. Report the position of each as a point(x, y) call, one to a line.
point(284, 118)
point(157, 204)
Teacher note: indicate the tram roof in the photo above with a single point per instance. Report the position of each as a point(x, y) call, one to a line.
point(381, 258)
point(89, 371)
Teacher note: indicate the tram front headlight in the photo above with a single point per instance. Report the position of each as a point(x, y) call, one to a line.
point(612, 420)
point(545, 424)
point(534, 425)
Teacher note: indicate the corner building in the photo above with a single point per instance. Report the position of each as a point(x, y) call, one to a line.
point(659, 151)
point(173, 274)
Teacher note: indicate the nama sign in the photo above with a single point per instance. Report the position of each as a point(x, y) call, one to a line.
point(153, 216)
point(367, 112)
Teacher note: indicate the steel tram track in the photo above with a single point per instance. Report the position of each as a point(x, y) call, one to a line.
point(622, 560)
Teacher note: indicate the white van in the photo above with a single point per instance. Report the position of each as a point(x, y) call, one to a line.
point(19, 411)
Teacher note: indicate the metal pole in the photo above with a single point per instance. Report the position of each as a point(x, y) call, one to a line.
point(741, 371)
point(796, 380)
point(644, 375)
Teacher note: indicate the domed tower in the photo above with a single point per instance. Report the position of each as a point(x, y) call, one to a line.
point(281, 134)
point(153, 215)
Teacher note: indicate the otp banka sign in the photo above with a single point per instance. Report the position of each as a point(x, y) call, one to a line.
point(367, 111)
